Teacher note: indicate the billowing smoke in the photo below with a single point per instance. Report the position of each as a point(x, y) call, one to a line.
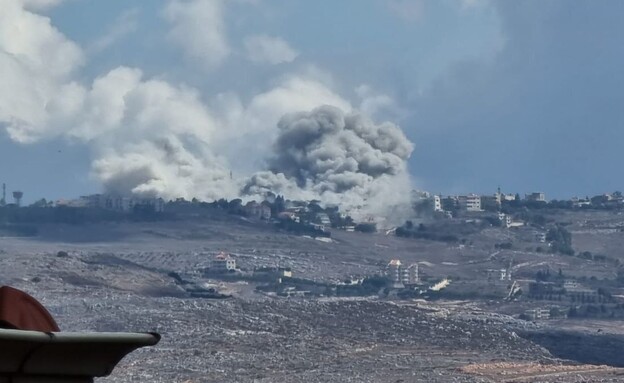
point(150, 137)
point(338, 158)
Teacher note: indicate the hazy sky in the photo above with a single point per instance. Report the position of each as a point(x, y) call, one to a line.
point(526, 95)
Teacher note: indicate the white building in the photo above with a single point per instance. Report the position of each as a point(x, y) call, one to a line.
point(540, 237)
point(437, 203)
point(119, 203)
point(323, 218)
point(400, 275)
point(505, 219)
point(505, 275)
point(222, 263)
point(536, 196)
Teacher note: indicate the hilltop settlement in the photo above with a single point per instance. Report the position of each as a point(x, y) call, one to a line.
point(470, 287)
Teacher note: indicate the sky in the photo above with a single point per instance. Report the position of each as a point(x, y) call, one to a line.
point(180, 97)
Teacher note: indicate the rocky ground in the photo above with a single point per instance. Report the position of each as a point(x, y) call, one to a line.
point(115, 278)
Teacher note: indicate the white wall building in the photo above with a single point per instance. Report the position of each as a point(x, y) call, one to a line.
point(222, 263)
point(437, 203)
point(400, 275)
point(537, 196)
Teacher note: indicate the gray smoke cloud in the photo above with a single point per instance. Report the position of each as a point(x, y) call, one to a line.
point(338, 158)
point(150, 137)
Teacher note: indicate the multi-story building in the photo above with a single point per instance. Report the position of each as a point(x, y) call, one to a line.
point(323, 218)
point(536, 197)
point(505, 220)
point(437, 203)
point(258, 210)
point(540, 237)
point(222, 263)
point(491, 202)
point(119, 203)
point(401, 275)
point(470, 202)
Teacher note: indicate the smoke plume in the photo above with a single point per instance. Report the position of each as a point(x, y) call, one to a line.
point(149, 137)
point(338, 158)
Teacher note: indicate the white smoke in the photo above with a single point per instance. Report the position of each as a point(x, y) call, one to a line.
point(197, 26)
point(153, 138)
point(339, 158)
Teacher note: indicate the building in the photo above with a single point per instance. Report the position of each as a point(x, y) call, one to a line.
point(536, 314)
point(536, 197)
point(258, 210)
point(498, 275)
point(450, 203)
point(540, 237)
point(323, 218)
point(505, 220)
point(579, 203)
point(437, 203)
point(117, 202)
point(223, 263)
point(470, 202)
point(400, 275)
point(412, 277)
point(505, 275)
point(491, 202)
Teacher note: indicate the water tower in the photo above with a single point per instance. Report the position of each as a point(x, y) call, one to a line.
point(17, 196)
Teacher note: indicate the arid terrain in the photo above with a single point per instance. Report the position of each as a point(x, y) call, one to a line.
point(117, 277)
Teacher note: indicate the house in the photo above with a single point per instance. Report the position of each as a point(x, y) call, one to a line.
point(258, 210)
point(505, 275)
point(540, 237)
point(118, 202)
point(577, 202)
point(470, 202)
point(323, 218)
point(536, 197)
point(437, 203)
point(491, 202)
point(505, 220)
point(536, 314)
point(394, 272)
point(223, 263)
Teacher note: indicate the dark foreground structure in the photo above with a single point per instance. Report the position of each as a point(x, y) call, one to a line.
point(33, 350)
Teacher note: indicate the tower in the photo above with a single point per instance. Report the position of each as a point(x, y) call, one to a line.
point(3, 200)
point(17, 196)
